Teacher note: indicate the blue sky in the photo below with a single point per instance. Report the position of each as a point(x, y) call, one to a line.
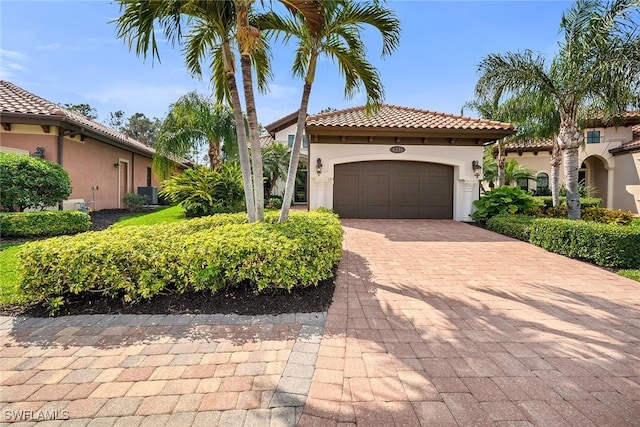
point(67, 52)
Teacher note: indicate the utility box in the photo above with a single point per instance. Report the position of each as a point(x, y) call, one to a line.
point(151, 193)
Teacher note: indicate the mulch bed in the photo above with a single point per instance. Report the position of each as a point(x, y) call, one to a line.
point(240, 300)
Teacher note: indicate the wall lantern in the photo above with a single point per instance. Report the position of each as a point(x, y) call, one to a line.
point(319, 166)
point(475, 165)
point(116, 165)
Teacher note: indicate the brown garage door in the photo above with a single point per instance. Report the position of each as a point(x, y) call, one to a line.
point(393, 189)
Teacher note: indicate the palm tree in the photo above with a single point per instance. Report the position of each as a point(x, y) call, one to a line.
point(213, 26)
point(597, 66)
point(192, 121)
point(513, 171)
point(340, 39)
point(275, 158)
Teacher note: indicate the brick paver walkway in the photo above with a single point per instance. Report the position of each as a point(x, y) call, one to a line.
point(434, 323)
point(175, 370)
point(437, 323)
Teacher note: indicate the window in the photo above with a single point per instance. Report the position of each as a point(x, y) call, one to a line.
point(523, 183)
point(593, 137)
point(291, 138)
point(542, 181)
point(148, 177)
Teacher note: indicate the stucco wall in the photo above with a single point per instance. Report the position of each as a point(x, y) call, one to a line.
point(465, 186)
point(626, 185)
point(90, 163)
point(283, 138)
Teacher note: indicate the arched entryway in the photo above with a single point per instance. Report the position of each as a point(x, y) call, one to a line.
point(594, 175)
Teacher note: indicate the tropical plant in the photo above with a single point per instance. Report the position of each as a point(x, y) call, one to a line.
point(275, 158)
point(193, 120)
point(339, 38)
point(28, 182)
point(204, 192)
point(597, 67)
point(513, 171)
point(213, 25)
point(502, 200)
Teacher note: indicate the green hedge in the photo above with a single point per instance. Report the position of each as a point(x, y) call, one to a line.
point(608, 245)
point(207, 253)
point(516, 226)
point(545, 202)
point(44, 223)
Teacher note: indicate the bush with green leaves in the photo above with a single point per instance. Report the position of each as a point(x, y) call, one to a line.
point(29, 182)
point(546, 202)
point(608, 245)
point(45, 223)
point(135, 202)
point(212, 253)
point(607, 216)
point(205, 192)
point(502, 200)
point(516, 226)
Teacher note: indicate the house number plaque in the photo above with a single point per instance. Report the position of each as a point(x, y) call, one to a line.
point(397, 149)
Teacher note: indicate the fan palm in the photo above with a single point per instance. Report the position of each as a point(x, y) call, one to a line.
point(340, 39)
point(193, 120)
point(598, 65)
point(275, 158)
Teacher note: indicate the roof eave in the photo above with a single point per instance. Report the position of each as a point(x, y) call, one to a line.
point(485, 134)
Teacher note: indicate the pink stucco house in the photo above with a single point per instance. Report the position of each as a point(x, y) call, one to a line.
point(103, 164)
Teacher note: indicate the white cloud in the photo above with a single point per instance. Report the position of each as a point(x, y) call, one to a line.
point(50, 46)
point(10, 63)
point(278, 91)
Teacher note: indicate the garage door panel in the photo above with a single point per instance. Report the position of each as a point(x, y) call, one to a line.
point(393, 189)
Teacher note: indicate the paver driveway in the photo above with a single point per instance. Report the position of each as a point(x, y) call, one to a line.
point(437, 323)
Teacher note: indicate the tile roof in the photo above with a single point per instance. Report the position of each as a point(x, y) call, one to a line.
point(530, 145)
point(396, 117)
point(17, 101)
point(633, 145)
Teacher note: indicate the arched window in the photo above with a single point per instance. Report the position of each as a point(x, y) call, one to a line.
point(542, 180)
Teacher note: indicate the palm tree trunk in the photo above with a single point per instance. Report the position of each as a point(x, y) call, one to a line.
point(571, 138)
point(297, 143)
point(243, 152)
point(501, 162)
point(215, 158)
point(556, 159)
point(295, 154)
point(254, 134)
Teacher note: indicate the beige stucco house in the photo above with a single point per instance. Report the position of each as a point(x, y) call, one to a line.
point(103, 164)
point(609, 162)
point(398, 162)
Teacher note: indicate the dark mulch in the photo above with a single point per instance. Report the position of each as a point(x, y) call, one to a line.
point(240, 300)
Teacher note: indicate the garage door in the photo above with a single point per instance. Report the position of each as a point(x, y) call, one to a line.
point(393, 189)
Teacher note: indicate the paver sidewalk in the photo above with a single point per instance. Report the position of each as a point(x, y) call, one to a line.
point(438, 323)
point(176, 370)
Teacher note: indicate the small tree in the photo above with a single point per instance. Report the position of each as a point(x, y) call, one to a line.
point(27, 182)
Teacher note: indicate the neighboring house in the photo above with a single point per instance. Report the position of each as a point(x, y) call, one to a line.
point(398, 162)
point(103, 164)
point(609, 162)
point(283, 131)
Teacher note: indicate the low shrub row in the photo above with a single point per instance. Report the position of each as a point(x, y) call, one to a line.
point(608, 245)
point(545, 202)
point(44, 223)
point(206, 253)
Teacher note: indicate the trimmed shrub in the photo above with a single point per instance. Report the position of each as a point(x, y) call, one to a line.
point(502, 200)
point(517, 226)
point(607, 245)
point(606, 216)
point(135, 202)
point(45, 223)
point(28, 182)
point(206, 253)
point(546, 202)
point(205, 192)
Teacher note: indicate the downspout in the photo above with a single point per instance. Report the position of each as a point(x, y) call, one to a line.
point(61, 135)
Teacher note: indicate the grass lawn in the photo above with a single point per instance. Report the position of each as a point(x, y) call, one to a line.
point(631, 274)
point(159, 216)
point(9, 295)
